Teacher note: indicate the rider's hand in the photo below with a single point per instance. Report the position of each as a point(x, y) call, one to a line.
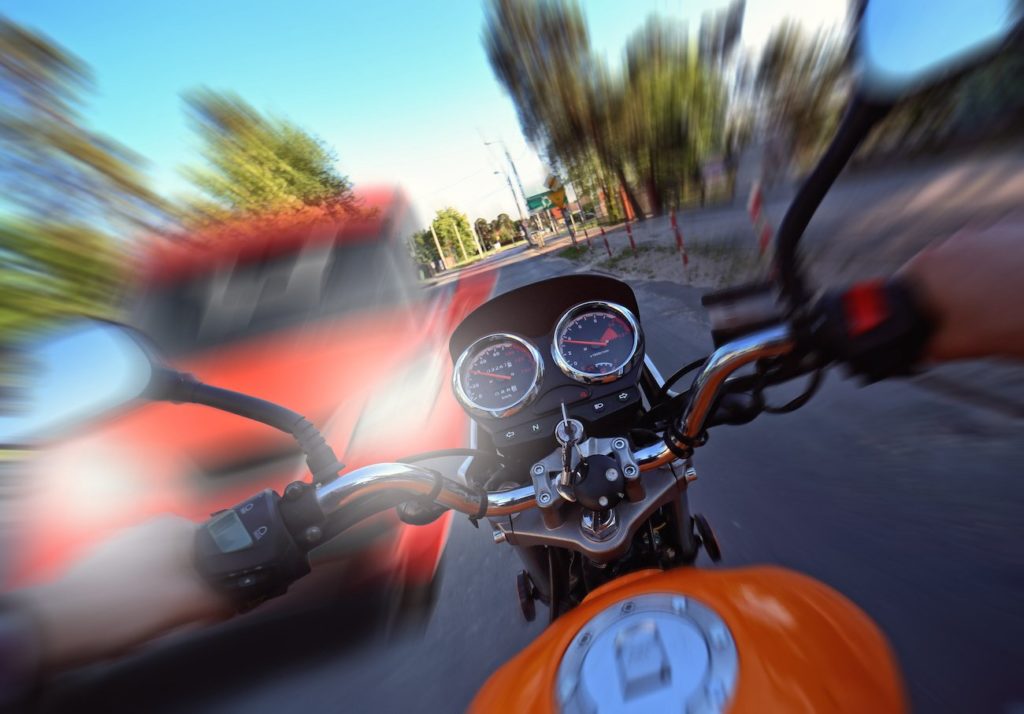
point(138, 585)
point(973, 284)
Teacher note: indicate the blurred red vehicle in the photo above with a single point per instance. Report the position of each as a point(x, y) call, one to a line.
point(324, 317)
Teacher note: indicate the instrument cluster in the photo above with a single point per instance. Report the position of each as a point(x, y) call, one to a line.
point(585, 355)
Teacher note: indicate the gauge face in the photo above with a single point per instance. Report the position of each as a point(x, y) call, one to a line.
point(596, 342)
point(497, 375)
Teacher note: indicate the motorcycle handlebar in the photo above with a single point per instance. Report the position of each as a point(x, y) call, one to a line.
point(420, 482)
point(417, 481)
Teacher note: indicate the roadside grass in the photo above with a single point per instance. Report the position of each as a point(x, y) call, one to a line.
point(575, 252)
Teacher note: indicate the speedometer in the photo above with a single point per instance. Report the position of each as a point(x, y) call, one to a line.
point(497, 375)
point(597, 342)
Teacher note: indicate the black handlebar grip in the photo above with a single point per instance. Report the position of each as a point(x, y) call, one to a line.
point(879, 329)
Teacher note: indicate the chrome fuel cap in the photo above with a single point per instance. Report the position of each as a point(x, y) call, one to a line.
point(658, 652)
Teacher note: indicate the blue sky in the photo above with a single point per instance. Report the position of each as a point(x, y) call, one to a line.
point(401, 89)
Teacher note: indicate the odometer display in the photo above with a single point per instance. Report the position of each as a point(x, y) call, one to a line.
point(497, 375)
point(596, 342)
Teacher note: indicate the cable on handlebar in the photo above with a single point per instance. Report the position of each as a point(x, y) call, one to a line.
point(817, 377)
point(443, 453)
point(663, 391)
point(674, 436)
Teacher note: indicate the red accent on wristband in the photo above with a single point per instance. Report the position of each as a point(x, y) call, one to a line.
point(865, 307)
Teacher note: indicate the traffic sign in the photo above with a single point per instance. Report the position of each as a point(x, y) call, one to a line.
point(558, 197)
point(539, 202)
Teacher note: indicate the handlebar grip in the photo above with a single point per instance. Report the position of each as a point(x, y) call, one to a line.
point(878, 329)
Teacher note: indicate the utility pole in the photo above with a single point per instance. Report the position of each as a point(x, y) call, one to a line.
point(459, 236)
point(476, 235)
point(522, 221)
point(458, 240)
point(437, 245)
point(508, 157)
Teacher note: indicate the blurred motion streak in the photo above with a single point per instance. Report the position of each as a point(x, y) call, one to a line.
point(273, 278)
point(313, 316)
point(67, 194)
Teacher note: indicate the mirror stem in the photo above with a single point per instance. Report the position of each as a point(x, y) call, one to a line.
point(859, 119)
point(183, 388)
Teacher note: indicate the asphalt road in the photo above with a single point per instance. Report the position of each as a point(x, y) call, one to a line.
point(907, 502)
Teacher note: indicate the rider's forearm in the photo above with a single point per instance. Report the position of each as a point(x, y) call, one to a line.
point(973, 286)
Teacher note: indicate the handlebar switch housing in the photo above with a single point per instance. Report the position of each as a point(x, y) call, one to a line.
point(251, 553)
point(878, 329)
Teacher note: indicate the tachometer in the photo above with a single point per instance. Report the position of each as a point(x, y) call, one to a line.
point(497, 375)
point(597, 342)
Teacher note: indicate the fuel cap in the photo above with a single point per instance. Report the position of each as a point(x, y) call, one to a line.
point(657, 652)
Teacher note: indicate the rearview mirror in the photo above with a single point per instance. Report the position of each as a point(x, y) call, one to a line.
point(906, 45)
point(69, 376)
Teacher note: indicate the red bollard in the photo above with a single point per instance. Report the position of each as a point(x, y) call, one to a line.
point(680, 245)
point(629, 232)
point(607, 246)
point(766, 237)
point(586, 235)
point(761, 227)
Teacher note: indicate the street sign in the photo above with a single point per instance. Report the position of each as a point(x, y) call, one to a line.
point(556, 190)
point(539, 202)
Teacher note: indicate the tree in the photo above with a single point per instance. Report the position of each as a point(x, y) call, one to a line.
point(65, 191)
point(53, 167)
point(258, 165)
point(487, 236)
point(800, 78)
point(611, 128)
point(423, 249)
point(675, 111)
point(454, 233)
point(504, 229)
point(540, 52)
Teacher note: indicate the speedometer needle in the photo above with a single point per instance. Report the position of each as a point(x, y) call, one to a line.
point(491, 374)
point(585, 342)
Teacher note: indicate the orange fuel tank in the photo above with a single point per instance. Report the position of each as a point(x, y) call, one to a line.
point(796, 646)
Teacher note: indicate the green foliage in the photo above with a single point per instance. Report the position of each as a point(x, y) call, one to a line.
point(540, 51)
point(454, 234)
point(257, 164)
point(655, 122)
point(504, 229)
point(574, 252)
point(487, 236)
point(55, 270)
point(800, 78)
point(53, 168)
point(63, 189)
point(675, 111)
point(422, 244)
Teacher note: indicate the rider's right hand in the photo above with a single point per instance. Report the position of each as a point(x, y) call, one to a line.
point(973, 286)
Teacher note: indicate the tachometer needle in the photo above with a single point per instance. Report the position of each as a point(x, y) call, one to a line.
point(585, 342)
point(491, 374)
